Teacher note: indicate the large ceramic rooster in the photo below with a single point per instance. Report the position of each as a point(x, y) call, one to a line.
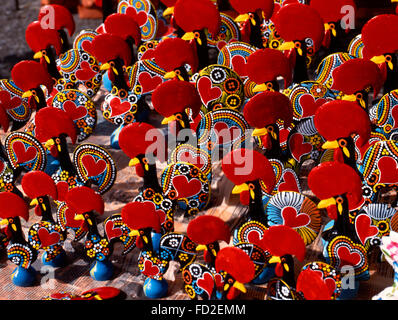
point(46, 235)
point(142, 219)
point(380, 46)
point(296, 23)
point(194, 17)
point(19, 251)
point(85, 202)
point(339, 188)
point(251, 15)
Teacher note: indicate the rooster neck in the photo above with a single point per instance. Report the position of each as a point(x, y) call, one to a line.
point(150, 176)
point(391, 82)
point(256, 38)
point(64, 157)
point(131, 42)
point(119, 79)
point(350, 160)
point(46, 214)
point(52, 66)
point(147, 246)
point(92, 228)
point(42, 99)
point(300, 67)
point(65, 40)
point(202, 50)
point(256, 208)
point(17, 235)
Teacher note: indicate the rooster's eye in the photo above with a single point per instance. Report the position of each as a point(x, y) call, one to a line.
point(342, 143)
point(197, 35)
point(297, 45)
point(178, 72)
point(388, 58)
point(251, 186)
point(339, 200)
point(359, 96)
point(58, 141)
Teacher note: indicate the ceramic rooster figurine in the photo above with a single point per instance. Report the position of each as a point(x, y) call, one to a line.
point(63, 21)
point(263, 112)
point(142, 219)
point(295, 23)
point(264, 67)
point(355, 78)
point(332, 13)
point(46, 235)
point(251, 15)
point(338, 121)
point(19, 251)
point(194, 17)
point(339, 188)
point(381, 46)
point(85, 202)
point(172, 54)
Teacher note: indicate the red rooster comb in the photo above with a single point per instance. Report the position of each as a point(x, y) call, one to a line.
point(174, 96)
point(267, 108)
point(12, 205)
point(244, 165)
point(140, 215)
point(52, 122)
point(40, 39)
point(266, 65)
point(38, 184)
point(331, 11)
point(63, 19)
point(242, 7)
point(282, 240)
point(107, 47)
point(84, 199)
point(4, 120)
point(173, 53)
point(194, 15)
point(236, 263)
point(339, 119)
point(332, 178)
point(380, 35)
point(168, 3)
point(135, 138)
point(208, 229)
point(311, 284)
point(357, 74)
point(124, 26)
point(296, 22)
point(29, 75)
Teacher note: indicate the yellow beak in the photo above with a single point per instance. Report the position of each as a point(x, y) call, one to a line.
point(258, 132)
point(326, 203)
point(238, 189)
point(4, 222)
point(189, 36)
point(133, 162)
point(330, 145)
point(49, 143)
point(327, 27)
point(27, 94)
point(286, 46)
point(134, 233)
point(274, 259)
point(169, 11)
point(39, 55)
point(242, 18)
point(349, 97)
point(240, 286)
point(79, 217)
point(169, 119)
point(201, 247)
point(34, 202)
point(260, 88)
point(105, 66)
point(378, 59)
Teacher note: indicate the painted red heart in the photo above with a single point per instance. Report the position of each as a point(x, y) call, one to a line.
point(298, 147)
point(364, 228)
point(148, 54)
point(310, 105)
point(8, 102)
point(226, 133)
point(161, 214)
point(206, 282)
point(87, 46)
point(22, 153)
point(256, 238)
point(194, 159)
point(111, 231)
point(293, 219)
point(221, 44)
point(289, 182)
point(75, 112)
point(149, 83)
point(141, 17)
point(388, 168)
point(394, 115)
point(85, 72)
point(348, 257)
point(207, 92)
point(163, 29)
point(62, 190)
point(150, 269)
point(219, 280)
point(93, 167)
point(283, 135)
point(48, 238)
point(239, 65)
point(118, 108)
point(185, 188)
